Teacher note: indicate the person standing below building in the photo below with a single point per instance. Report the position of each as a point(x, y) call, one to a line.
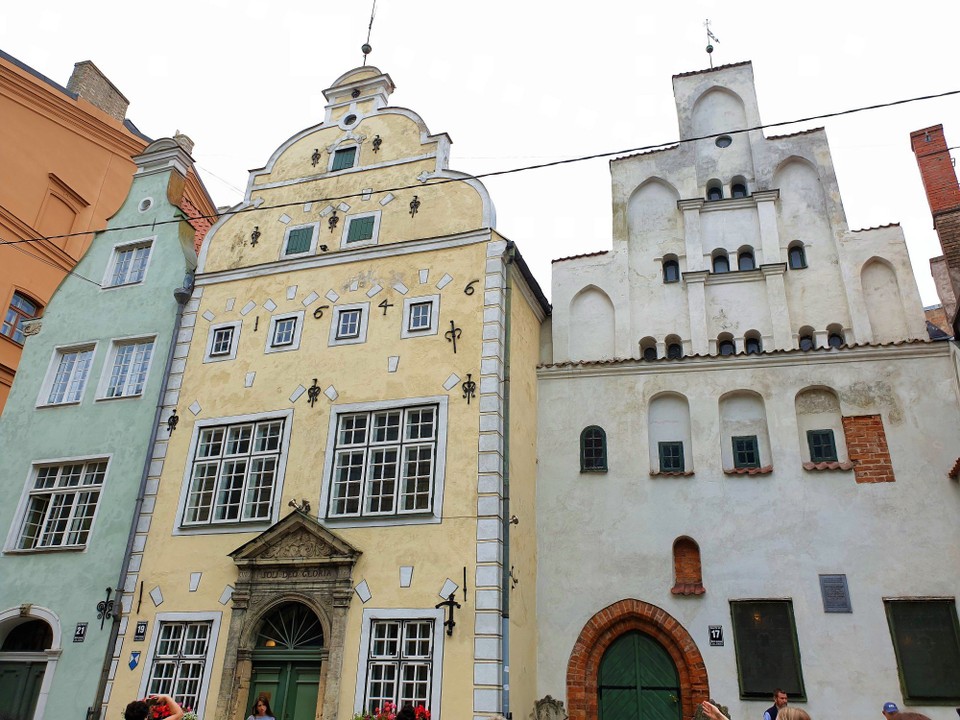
point(779, 701)
point(890, 710)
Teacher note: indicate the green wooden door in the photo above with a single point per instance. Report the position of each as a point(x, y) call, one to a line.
point(638, 681)
point(291, 688)
point(20, 687)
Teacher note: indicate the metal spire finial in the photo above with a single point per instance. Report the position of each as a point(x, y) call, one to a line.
point(710, 36)
point(366, 48)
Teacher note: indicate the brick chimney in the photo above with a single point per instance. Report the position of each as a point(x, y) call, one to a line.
point(93, 86)
point(943, 195)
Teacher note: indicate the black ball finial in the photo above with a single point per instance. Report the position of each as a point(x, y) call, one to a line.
point(709, 48)
point(366, 49)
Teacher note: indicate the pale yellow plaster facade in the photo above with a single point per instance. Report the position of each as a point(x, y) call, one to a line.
point(485, 311)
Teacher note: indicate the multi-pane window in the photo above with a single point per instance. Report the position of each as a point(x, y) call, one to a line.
point(222, 341)
point(823, 446)
point(348, 324)
point(299, 240)
point(20, 311)
point(400, 663)
point(746, 451)
point(61, 505)
point(361, 229)
point(671, 456)
point(70, 378)
point(420, 316)
point(129, 264)
point(344, 158)
point(283, 331)
point(797, 257)
point(384, 462)
point(926, 640)
point(129, 372)
point(765, 641)
point(234, 473)
point(671, 271)
point(179, 660)
point(593, 450)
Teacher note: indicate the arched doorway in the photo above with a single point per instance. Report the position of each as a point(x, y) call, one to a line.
point(638, 681)
point(286, 662)
point(605, 630)
point(23, 662)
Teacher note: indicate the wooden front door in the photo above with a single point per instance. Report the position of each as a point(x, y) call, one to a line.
point(638, 681)
point(20, 687)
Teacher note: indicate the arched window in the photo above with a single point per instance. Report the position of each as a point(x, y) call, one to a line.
point(738, 190)
point(671, 271)
point(715, 193)
point(726, 347)
point(745, 260)
point(687, 573)
point(806, 342)
point(753, 344)
point(291, 626)
point(648, 348)
point(22, 309)
point(721, 264)
point(30, 636)
point(835, 340)
point(797, 257)
point(593, 449)
point(674, 348)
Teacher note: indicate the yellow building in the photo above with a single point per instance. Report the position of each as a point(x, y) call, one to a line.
point(355, 389)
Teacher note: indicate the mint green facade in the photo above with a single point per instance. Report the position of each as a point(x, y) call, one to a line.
point(64, 522)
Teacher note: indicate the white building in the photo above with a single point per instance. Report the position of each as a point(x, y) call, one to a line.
point(745, 437)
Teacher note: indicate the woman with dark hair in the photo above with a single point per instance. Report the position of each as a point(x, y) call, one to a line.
point(261, 709)
point(140, 709)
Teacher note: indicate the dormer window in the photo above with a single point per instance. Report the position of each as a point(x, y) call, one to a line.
point(344, 158)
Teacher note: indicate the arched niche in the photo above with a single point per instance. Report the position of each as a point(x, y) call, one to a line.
point(743, 422)
point(718, 110)
point(820, 426)
point(802, 204)
point(668, 425)
point(592, 325)
point(652, 215)
point(687, 570)
point(881, 295)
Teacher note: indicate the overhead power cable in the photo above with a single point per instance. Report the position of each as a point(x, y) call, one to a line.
point(509, 171)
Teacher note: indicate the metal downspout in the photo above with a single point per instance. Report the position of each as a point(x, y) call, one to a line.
point(96, 710)
point(508, 256)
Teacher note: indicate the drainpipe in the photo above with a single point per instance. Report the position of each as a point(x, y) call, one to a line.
point(508, 256)
point(182, 296)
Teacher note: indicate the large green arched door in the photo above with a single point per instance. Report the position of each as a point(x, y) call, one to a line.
point(638, 681)
point(286, 663)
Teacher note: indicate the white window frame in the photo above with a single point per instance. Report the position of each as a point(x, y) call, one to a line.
point(208, 355)
point(237, 526)
point(43, 400)
point(373, 614)
point(375, 214)
point(361, 337)
point(313, 240)
point(294, 343)
point(372, 520)
point(16, 527)
point(214, 618)
point(408, 303)
point(108, 283)
point(107, 371)
point(345, 146)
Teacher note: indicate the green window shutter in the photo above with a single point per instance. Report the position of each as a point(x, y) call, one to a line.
point(299, 240)
point(360, 229)
point(345, 158)
point(768, 654)
point(926, 639)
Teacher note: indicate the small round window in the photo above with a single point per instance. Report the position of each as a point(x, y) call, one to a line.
point(145, 204)
point(349, 119)
point(724, 141)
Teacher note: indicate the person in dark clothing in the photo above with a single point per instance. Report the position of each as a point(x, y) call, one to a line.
point(779, 701)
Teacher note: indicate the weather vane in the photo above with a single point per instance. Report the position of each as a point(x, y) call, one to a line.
point(366, 48)
point(711, 38)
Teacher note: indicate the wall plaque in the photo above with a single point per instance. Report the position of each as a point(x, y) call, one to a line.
point(141, 632)
point(716, 635)
point(80, 634)
point(836, 596)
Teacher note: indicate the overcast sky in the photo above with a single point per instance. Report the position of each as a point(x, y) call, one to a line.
point(517, 83)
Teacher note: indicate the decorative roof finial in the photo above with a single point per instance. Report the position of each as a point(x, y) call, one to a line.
point(366, 48)
point(710, 37)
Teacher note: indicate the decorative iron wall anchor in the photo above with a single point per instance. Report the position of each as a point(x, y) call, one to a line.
point(452, 335)
point(334, 219)
point(414, 205)
point(377, 142)
point(315, 158)
point(450, 604)
point(172, 422)
point(469, 289)
point(313, 392)
point(384, 304)
point(469, 388)
point(255, 235)
point(318, 313)
point(105, 608)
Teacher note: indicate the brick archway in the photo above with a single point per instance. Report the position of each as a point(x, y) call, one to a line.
point(612, 622)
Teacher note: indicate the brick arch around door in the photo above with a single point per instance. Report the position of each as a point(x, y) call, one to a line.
point(612, 622)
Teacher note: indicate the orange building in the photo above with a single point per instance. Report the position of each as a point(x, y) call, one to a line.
point(67, 166)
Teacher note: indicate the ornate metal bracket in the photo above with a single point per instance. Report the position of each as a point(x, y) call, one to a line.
point(255, 235)
point(333, 220)
point(318, 313)
point(414, 205)
point(172, 422)
point(315, 158)
point(313, 392)
point(377, 142)
point(450, 604)
point(105, 608)
point(452, 335)
point(469, 388)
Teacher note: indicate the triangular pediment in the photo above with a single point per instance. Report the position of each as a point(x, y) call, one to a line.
point(299, 539)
